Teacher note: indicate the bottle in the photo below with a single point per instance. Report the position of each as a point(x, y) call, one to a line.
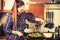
point(59, 31)
point(52, 1)
point(56, 30)
point(54, 36)
point(56, 33)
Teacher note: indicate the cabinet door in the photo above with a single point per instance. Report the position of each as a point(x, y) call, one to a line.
point(37, 10)
point(8, 4)
point(40, 0)
point(1, 4)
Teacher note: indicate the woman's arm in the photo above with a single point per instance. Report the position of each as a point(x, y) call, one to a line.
point(8, 28)
point(39, 19)
point(8, 24)
point(30, 16)
point(17, 32)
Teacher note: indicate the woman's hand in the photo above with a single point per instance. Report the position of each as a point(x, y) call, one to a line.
point(41, 20)
point(19, 34)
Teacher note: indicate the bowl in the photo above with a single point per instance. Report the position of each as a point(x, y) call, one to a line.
point(47, 35)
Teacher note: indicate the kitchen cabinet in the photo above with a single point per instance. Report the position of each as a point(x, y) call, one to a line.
point(55, 8)
point(37, 7)
point(1, 4)
point(37, 10)
point(40, 0)
point(9, 6)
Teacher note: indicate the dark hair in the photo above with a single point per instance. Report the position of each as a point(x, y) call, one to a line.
point(20, 3)
point(29, 13)
point(18, 0)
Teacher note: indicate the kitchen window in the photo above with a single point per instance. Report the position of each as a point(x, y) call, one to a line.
point(49, 16)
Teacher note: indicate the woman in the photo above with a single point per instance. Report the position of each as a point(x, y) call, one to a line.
point(17, 33)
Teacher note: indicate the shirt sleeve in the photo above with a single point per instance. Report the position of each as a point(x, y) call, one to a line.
point(9, 24)
point(30, 17)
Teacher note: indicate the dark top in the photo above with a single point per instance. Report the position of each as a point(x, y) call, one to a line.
point(19, 27)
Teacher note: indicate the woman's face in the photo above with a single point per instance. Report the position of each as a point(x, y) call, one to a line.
point(21, 9)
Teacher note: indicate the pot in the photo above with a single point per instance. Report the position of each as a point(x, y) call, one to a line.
point(29, 30)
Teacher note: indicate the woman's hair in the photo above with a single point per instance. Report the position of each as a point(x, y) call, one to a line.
point(20, 3)
point(18, 0)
